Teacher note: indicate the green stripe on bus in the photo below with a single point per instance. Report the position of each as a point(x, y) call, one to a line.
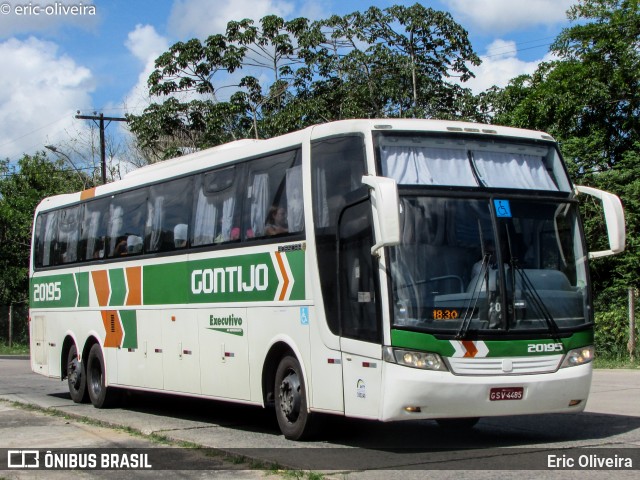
point(296, 262)
point(130, 327)
point(118, 287)
point(82, 280)
point(497, 348)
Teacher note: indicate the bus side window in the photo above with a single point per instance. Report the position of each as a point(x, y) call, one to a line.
point(274, 196)
point(49, 239)
point(38, 241)
point(94, 230)
point(215, 207)
point(169, 205)
point(68, 235)
point(127, 219)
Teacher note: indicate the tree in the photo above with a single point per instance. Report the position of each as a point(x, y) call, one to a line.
point(287, 75)
point(22, 187)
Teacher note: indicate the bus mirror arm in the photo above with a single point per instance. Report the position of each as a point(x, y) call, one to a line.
point(614, 218)
point(386, 211)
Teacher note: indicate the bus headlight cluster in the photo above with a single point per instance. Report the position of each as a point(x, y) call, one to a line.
point(578, 356)
point(411, 358)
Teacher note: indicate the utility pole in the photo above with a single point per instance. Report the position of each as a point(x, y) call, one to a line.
point(100, 123)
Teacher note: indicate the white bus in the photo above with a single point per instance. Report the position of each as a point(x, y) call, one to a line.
point(380, 269)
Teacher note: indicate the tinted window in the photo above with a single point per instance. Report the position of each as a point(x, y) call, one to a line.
point(338, 165)
point(169, 209)
point(216, 206)
point(127, 218)
point(274, 196)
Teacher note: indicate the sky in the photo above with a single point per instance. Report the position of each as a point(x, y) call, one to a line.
point(58, 57)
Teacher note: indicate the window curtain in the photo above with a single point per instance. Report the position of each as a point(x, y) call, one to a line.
point(69, 234)
point(228, 207)
point(427, 166)
point(259, 203)
point(204, 227)
point(92, 234)
point(295, 207)
point(115, 227)
point(156, 223)
point(512, 170)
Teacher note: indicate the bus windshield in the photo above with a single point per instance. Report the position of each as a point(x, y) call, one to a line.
point(493, 265)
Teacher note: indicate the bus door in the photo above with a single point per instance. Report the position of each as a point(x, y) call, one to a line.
point(360, 325)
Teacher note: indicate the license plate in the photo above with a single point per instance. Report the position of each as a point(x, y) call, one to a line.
point(506, 393)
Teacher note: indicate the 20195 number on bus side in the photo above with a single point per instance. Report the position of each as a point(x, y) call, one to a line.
point(380, 269)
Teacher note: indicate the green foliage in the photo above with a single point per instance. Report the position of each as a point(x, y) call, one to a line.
point(22, 187)
point(612, 333)
point(279, 76)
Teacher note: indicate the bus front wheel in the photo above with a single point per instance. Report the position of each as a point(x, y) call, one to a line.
point(76, 376)
point(291, 400)
point(101, 396)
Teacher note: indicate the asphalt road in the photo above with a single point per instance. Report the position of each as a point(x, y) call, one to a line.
point(347, 449)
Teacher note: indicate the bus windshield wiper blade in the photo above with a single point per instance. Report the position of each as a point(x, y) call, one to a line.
point(536, 300)
point(473, 299)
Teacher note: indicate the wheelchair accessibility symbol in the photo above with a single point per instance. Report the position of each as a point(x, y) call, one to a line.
point(503, 209)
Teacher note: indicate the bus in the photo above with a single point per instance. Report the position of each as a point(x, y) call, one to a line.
point(394, 269)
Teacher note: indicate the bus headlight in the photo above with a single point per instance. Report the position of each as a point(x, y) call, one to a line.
point(578, 356)
point(411, 358)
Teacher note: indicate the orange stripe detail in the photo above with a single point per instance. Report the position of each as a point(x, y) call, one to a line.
point(471, 349)
point(101, 284)
point(134, 283)
point(112, 328)
point(283, 293)
point(89, 193)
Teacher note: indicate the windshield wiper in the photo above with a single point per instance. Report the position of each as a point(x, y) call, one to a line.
point(538, 303)
point(475, 295)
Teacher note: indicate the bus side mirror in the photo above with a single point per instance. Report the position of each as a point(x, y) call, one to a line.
point(386, 211)
point(614, 218)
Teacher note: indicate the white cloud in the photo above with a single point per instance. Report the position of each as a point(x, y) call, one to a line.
point(201, 18)
point(40, 90)
point(500, 65)
point(146, 45)
point(33, 17)
point(501, 16)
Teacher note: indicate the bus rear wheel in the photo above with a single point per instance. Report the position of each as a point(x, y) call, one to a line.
point(76, 376)
point(294, 419)
point(101, 396)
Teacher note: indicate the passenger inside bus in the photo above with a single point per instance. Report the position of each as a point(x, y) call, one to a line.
point(276, 221)
point(180, 235)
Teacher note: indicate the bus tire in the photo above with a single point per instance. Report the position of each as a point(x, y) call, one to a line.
point(76, 376)
point(293, 417)
point(101, 396)
point(458, 423)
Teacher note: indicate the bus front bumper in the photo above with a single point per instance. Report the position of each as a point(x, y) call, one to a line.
point(411, 393)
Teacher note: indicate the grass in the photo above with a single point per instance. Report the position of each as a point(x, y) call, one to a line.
point(616, 361)
point(14, 349)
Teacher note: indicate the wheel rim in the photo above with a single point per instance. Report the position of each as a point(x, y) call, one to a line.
point(74, 373)
point(289, 396)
